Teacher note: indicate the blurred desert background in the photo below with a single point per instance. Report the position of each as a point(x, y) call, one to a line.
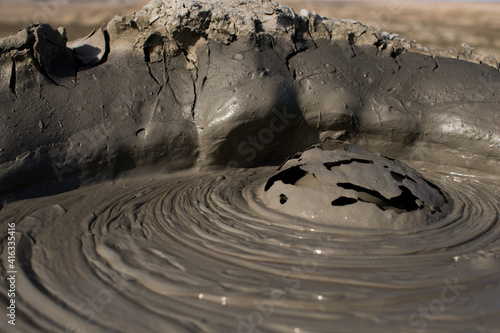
point(441, 24)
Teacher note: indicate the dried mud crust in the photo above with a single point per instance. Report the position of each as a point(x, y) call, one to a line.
point(180, 84)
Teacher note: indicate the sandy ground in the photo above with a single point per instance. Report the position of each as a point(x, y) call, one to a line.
point(78, 18)
point(441, 25)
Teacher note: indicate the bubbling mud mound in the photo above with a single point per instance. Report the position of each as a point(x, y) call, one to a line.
point(139, 176)
point(353, 189)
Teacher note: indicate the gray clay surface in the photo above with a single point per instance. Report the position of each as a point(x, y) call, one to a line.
point(233, 166)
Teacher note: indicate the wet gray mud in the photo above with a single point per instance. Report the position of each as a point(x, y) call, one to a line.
point(233, 166)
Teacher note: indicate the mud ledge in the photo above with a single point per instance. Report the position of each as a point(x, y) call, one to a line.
point(188, 84)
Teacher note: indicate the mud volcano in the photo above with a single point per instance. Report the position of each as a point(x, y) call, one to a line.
point(233, 166)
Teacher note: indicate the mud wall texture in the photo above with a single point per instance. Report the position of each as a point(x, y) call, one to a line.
point(184, 84)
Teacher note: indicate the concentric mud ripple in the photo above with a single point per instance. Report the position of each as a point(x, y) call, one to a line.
point(187, 253)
